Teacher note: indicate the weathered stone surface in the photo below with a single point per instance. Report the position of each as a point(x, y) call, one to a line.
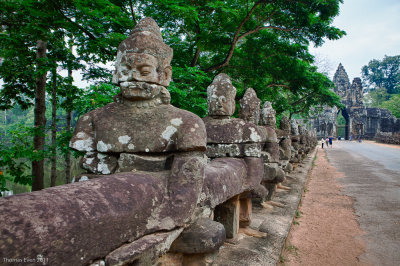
point(294, 127)
point(388, 138)
point(266, 157)
point(224, 178)
point(234, 150)
point(143, 251)
point(289, 168)
point(228, 215)
point(221, 96)
point(224, 150)
point(295, 138)
point(99, 163)
point(296, 145)
point(280, 176)
point(171, 129)
point(246, 212)
point(83, 177)
point(285, 149)
point(250, 107)
point(268, 115)
point(130, 161)
point(252, 150)
point(255, 172)
point(230, 131)
point(203, 236)
point(270, 171)
point(271, 188)
point(268, 134)
point(67, 223)
point(259, 193)
point(273, 149)
point(184, 187)
point(284, 125)
point(273, 173)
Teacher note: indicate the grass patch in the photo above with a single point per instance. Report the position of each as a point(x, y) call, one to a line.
point(292, 250)
point(315, 158)
point(298, 215)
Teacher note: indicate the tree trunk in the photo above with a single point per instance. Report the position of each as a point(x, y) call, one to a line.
point(53, 173)
point(68, 128)
point(40, 118)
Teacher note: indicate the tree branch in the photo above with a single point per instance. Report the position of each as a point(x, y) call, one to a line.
point(85, 31)
point(234, 41)
point(132, 11)
point(302, 98)
point(278, 85)
point(237, 35)
point(197, 53)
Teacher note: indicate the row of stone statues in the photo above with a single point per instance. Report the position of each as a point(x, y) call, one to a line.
point(162, 179)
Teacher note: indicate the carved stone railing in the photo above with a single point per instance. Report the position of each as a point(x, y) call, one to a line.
point(158, 195)
point(100, 219)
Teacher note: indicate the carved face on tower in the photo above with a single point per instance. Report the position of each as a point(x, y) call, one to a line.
point(221, 96)
point(143, 61)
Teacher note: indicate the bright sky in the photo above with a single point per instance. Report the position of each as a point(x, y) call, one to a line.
point(373, 31)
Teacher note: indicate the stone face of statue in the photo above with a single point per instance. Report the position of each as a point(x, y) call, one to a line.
point(143, 68)
point(268, 115)
point(221, 96)
point(250, 107)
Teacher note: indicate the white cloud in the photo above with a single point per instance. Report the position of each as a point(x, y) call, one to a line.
point(373, 31)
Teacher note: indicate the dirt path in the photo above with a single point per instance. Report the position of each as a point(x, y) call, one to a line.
point(325, 230)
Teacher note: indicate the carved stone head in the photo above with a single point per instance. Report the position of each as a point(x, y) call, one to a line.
point(221, 96)
point(250, 107)
point(268, 115)
point(294, 127)
point(285, 124)
point(143, 62)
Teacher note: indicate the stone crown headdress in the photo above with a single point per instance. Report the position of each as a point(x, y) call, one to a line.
point(145, 38)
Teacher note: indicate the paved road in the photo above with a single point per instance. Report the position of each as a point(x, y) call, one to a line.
point(372, 179)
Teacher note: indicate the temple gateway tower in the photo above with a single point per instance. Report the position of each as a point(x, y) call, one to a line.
point(360, 121)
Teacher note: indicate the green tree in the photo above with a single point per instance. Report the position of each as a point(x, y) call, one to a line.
point(393, 105)
point(376, 97)
point(253, 41)
point(32, 32)
point(383, 73)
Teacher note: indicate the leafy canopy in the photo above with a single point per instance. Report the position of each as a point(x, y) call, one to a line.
point(383, 73)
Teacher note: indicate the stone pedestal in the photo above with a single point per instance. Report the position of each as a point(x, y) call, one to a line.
point(228, 215)
point(245, 212)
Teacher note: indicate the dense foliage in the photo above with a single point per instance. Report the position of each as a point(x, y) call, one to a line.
point(382, 99)
point(260, 44)
point(383, 73)
point(383, 80)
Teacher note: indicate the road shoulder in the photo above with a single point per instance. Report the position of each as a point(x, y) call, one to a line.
point(325, 230)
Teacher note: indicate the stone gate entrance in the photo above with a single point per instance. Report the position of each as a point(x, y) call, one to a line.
point(361, 121)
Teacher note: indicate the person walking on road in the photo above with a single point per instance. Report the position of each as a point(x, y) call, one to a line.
point(327, 142)
point(330, 141)
point(322, 142)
